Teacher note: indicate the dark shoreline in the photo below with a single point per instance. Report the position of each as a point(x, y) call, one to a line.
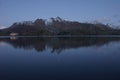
point(65, 36)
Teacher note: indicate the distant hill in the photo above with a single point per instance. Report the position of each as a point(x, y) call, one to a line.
point(58, 26)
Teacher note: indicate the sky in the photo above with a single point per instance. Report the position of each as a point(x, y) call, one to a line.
point(75, 10)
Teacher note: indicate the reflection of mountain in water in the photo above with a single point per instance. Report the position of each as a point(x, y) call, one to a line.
point(57, 44)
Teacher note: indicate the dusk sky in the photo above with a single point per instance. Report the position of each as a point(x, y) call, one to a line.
point(79, 10)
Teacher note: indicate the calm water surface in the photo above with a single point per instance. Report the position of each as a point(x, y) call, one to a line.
point(85, 58)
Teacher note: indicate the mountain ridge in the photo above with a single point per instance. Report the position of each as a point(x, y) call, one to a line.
point(58, 26)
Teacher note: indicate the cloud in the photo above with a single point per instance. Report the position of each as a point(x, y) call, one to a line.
point(119, 21)
point(116, 15)
point(103, 20)
point(3, 27)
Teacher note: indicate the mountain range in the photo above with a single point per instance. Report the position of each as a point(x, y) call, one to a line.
point(58, 26)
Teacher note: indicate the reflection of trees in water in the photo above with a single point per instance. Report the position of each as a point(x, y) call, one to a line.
point(58, 44)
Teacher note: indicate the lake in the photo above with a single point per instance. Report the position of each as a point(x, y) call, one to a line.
point(59, 58)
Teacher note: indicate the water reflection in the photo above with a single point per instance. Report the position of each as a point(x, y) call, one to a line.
point(84, 63)
point(57, 44)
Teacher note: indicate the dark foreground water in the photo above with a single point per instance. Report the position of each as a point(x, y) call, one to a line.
point(83, 58)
